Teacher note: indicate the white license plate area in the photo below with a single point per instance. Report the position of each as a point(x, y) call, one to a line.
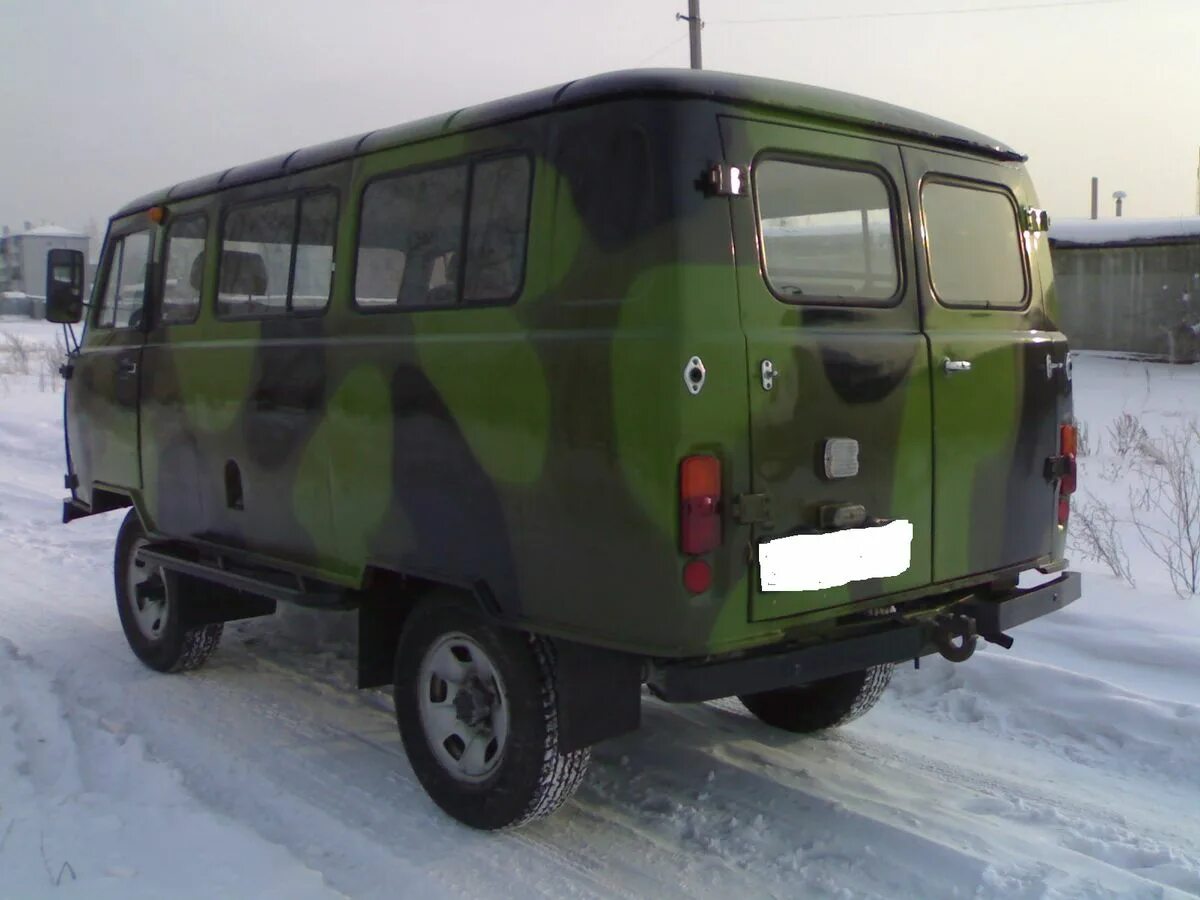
point(811, 562)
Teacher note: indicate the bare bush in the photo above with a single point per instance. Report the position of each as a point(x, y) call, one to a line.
point(18, 353)
point(50, 358)
point(1126, 435)
point(1083, 439)
point(1095, 536)
point(1165, 504)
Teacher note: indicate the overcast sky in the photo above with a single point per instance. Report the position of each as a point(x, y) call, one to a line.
point(104, 100)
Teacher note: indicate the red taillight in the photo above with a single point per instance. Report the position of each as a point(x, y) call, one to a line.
point(699, 504)
point(1067, 444)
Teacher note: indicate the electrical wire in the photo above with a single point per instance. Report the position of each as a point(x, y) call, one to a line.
point(661, 50)
point(1047, 4)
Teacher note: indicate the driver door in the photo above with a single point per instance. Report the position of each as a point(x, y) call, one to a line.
point(102, 397)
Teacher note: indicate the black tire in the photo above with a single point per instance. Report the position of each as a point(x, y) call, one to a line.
point(161, 642)
point(531, 777)
point(821, 704)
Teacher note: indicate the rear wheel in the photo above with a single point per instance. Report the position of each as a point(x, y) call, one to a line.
point(150, 602)
point(477, 711)
point(822, 704)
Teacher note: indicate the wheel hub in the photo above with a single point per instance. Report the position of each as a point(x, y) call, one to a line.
point(473, 703)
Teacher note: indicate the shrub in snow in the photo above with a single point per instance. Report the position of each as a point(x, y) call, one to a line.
point(1165, 504)
point(17, 352)
point(1095, 535)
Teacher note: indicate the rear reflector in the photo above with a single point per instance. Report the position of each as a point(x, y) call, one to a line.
point(697, 576)
point(699, 504)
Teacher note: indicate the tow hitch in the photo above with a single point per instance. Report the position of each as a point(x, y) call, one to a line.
point(955, 637)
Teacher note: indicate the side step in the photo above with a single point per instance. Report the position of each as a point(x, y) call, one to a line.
point(274, 585)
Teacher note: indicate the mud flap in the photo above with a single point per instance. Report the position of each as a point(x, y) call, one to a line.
point(599, 694)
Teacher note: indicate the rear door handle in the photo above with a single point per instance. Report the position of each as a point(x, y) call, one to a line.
point(127, 367)
point(956, 365)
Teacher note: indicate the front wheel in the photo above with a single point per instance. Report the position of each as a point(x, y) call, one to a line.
point(477, 711)
point(150, 602)
point(822, 704)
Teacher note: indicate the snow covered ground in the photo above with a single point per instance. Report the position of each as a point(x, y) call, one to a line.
point(1066, 767)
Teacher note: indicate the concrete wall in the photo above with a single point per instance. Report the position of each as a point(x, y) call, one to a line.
point(1133, 298)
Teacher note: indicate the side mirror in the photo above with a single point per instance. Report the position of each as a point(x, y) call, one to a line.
point(64, 286)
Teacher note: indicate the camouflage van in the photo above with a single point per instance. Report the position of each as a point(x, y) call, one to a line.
point(676, 381)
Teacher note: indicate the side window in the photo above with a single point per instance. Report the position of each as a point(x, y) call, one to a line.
point(125, 282)
point(974, 246)
point(409, 237)
point(827, 233)
point(313, 278)
point(411, 251)
point(499, 221)
point(256, 259)
point(183, 269)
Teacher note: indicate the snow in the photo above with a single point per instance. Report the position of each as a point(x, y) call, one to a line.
point(1125, 230)
point(1066, 767)
point(51, 231)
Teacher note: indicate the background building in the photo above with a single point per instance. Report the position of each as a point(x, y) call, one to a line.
point(23, 265)
point(1129, 284)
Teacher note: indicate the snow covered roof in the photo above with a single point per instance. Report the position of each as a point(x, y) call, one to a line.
point(1123, 231)
point(52, 232)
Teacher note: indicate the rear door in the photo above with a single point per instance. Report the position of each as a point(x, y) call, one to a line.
point(840, 419)
point(1000, 380)
point(103, 393)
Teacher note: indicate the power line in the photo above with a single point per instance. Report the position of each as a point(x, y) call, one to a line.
point(660, 50)
point(911, 13)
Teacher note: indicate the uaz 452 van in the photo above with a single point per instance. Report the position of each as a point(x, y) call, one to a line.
point(703, 383)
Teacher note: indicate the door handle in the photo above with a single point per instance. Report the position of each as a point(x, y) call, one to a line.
point(127, 367)
point(956, 365)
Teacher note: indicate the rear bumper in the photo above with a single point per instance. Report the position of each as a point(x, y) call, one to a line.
point(896, 640)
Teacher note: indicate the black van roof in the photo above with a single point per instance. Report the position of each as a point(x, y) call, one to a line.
point(724, 87)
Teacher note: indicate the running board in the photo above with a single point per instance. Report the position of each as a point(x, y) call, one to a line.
point(281, 586)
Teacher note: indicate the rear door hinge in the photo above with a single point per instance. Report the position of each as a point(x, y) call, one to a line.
point(752, 509)
point(1035, 219)
point(725, 180)
point(66, 370)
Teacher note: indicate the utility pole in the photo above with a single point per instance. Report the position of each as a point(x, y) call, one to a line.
point(695, 23)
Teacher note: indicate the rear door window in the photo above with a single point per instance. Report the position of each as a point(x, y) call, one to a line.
point(974, 245)
point(827, 234)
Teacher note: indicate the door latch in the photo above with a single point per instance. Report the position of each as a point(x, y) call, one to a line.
point(950, 366)
point(768, 372)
